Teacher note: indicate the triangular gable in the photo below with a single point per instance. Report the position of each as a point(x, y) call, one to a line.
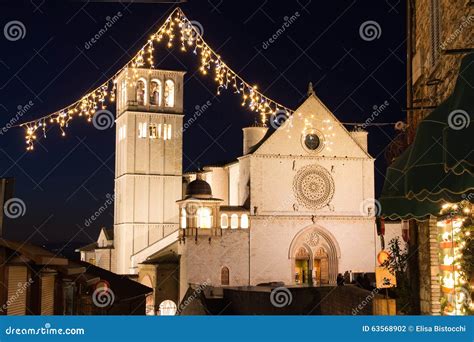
point(312, 114)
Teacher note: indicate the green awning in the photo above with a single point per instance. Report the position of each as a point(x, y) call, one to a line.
point(438, 166)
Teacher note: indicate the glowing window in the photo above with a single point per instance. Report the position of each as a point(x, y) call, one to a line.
point(155, 93)
point(141, 92)
point(169, 93)
point(244, 221)
point(153, 131)
point(204, 217)
point(224, 221)
point(183, 218)
point(166, 131)
point(142, 129)
point(167, 308)
point(234, 221)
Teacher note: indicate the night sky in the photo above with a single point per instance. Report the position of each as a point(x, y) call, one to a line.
point(66, 179)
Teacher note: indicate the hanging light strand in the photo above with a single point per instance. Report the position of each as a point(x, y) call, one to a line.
point(190, 39)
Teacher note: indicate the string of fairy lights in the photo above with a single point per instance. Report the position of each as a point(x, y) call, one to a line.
point(190, 39)
point(176, 25)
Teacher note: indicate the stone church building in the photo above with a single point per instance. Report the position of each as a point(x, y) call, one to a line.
point(297, 207)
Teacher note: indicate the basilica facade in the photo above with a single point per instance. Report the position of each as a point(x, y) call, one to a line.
point(297, 207)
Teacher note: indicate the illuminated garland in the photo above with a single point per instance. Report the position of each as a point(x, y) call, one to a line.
point(189, 38)
point(456, 265)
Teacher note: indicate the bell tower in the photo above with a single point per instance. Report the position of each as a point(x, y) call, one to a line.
point(148, 161)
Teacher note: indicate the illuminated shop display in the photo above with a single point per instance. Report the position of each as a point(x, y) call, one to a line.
point(455, 251)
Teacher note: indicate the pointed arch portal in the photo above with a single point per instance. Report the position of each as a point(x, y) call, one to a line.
point(314, 255)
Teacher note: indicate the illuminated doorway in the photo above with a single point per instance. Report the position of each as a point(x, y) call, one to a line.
point(302, 267)
point(321, 267)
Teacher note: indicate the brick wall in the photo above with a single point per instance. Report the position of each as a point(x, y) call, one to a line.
point(428, 256)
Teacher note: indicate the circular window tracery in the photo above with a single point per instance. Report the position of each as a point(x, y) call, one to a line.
point(313, 186)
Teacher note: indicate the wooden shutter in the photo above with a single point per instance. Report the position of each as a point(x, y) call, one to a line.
point(17, 289)
point(47, 294)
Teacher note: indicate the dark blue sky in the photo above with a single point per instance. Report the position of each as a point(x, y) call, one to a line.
point(66, 179)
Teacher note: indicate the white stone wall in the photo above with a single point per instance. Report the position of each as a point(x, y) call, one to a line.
point(281, 218)
point(272, 184)
point(148, 174)
point(204, 260)
point(272, 237)
point(218, 179)
point(234, 175)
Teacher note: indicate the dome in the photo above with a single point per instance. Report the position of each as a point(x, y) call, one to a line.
point(199, 188)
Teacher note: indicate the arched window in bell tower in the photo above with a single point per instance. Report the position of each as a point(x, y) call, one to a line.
point(155, 93)
point(141, 92)
point(169, 93)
